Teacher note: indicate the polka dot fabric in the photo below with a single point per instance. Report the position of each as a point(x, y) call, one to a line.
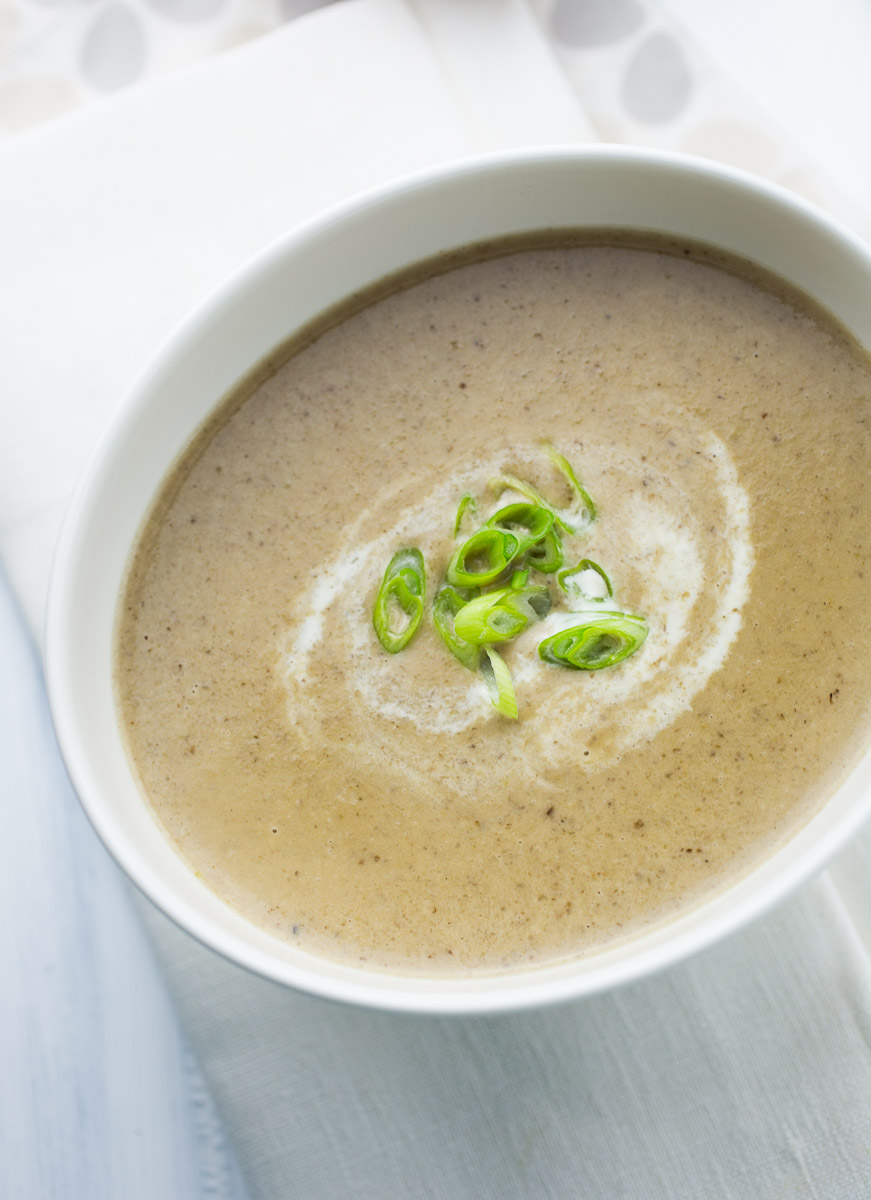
point(58, 54)
point(635, 75)
point(641, 82)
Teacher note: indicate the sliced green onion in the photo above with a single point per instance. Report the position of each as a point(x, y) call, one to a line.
point(573, 519)
point(503, 483)
point(583, 511)
point(528, 522)
point(483, 558)
point(547, 555)
point(468, 505)
point(585, 582)
point(501, 615)
point(601, 642)
point(519, 579)
point(445, 607)
point(399, 603)
point(498, 680)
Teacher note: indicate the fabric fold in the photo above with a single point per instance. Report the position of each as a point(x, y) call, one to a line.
point(501, 73)
point(116, 221)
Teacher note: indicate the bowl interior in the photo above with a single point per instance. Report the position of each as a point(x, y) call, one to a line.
point(284, 288)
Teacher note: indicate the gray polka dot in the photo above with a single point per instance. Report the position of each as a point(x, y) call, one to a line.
point(595, 22)
point(298, 8)
point(658, 82)
point(187, 12)
point(113, 52)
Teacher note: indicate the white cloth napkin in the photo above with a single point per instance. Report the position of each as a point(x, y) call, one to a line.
point(745, 1072)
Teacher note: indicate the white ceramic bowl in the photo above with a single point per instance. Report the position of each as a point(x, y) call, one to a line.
point(304, 273)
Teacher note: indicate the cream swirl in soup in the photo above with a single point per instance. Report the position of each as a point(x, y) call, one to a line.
point(658, 537)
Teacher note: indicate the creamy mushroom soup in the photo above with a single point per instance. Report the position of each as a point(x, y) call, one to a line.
point(375, 807)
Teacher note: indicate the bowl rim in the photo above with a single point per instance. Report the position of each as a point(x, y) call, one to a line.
point(527, 987)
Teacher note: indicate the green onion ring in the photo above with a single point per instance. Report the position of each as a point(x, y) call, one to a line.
point(604, 640)
point(547, 555)
point(574, 519)
point(495, 548)
point(500, 616)
point(468, 504)
point(503, 483)
point(498, 680)
point(528, 522)
point(570, 582)
point(586, 509)
point(399, 603)
point(445, 607)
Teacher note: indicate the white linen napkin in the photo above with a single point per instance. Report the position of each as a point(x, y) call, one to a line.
point(117, 220)
point(745, 1072)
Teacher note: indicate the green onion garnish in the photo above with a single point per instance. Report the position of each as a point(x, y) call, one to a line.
point(503, 483)
point(482, 559)
point(486, 597)
point(501, 615)
point(498, 680)
point(586, 581)
point(399, 603)
point(583, 511)
point(445, 607)
point(601, 642)
point(574, 519)
point(528, 522)
point(468, 505)
point(547, 555)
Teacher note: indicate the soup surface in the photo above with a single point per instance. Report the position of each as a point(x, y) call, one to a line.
point(375, 807)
